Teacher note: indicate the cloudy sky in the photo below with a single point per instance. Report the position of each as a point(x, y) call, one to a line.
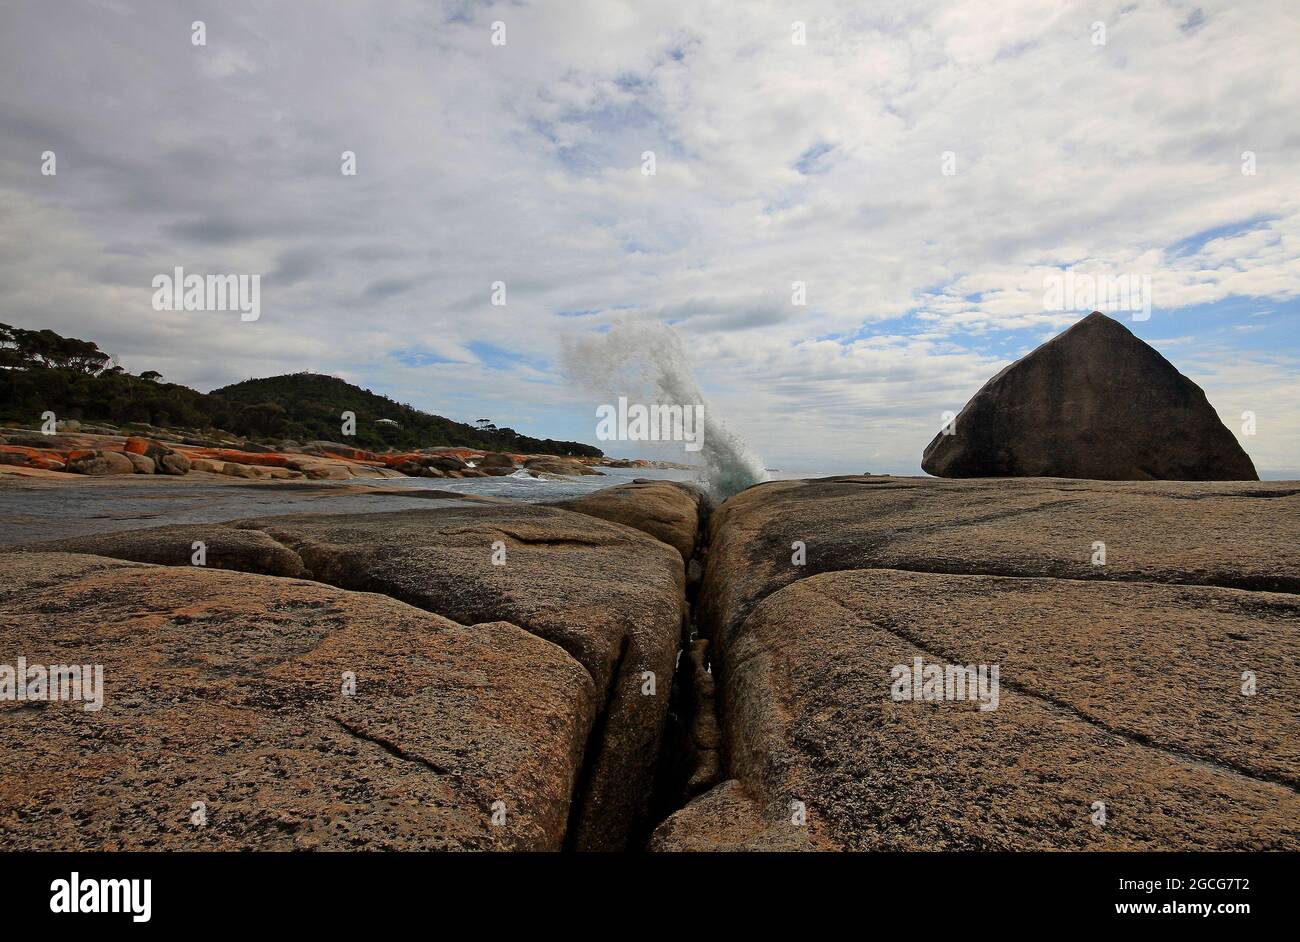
point(775, 162)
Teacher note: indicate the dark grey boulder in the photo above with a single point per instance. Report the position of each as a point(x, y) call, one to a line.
point(1094, 402)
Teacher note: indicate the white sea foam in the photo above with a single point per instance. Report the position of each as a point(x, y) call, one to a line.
point(647, 363)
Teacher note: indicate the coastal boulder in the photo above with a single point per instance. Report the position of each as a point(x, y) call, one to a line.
point(444, 463)
point(236, 470)
point(611, 597)
point(549, 464)
point(1123, 618)
point(296, 716)
point(1128, 694)
point(1238, 535)
point(326, 472)
point(165, 460)
point(99, 463)
point(668, 511)
point(495, 463)
point(173, 462)
point(141, 464)
point(1094, 402)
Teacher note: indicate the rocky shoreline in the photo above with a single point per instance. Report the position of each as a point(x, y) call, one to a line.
point(1122, 666)
point(101, 452)
point(636, 669)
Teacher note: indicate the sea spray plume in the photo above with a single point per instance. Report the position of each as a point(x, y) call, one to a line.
point(647, 364)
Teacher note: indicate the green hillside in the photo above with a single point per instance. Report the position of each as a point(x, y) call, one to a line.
point(42, 371)
point(308, 406)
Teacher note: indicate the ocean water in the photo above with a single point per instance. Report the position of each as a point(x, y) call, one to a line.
point(521, 486)
point(36, 510)
point(647, 364)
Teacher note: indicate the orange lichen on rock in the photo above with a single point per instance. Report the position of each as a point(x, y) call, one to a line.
point(273, 459)
point(25, 457)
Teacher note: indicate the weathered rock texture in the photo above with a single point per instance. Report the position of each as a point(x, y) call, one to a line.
point(668, 511)
point(100, 463)
point(1124, 619)
point(1240, 535)
point(1094, 402)
point(612, 597)
point(227, 689)
point(1119, 683)
point(727, 818)
point(495, 462)
point(567, 467)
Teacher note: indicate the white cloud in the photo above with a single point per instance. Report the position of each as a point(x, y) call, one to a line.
point(776, 163)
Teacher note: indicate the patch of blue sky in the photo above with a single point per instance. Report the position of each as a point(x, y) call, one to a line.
point(810, 161)
point(905, 324)
point(609, 126)
point(1255, 325)
point(499, 358)
point(631, 82)
point(1194, 21)
point(1194, 243)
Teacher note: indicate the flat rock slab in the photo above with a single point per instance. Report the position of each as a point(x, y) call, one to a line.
point(613, 598)
point(1242, 535)
point(1121, 677)
point(1129, 695)
point(77, 505)
point(227, 689)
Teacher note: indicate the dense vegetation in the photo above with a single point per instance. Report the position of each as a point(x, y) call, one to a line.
point(308, 406)
point(42, 371)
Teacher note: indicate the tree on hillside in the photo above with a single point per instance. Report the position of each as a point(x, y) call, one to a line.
point(10, 356)
point(264, 416)
point(42, 370)
point(24, 349)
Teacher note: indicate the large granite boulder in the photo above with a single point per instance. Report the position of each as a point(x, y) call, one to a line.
point(609, 596)
point(141, 464)
point(1094, 402)
point(443, 463)
point(1240, 535)
point(495, 463)
point(165, 460)
point(225, 722)
point(1140, 630)
point(567, 467)
point(1129, 695)
point(668, 511)
point(173, 462)
point(100, 463)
